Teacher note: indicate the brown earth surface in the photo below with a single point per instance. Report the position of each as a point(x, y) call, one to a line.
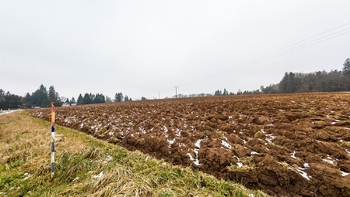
point(285, 145)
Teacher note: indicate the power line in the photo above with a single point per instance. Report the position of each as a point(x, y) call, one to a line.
point(279, 52)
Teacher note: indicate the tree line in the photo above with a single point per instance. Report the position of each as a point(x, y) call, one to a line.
point(43, 98)
point(320, 81)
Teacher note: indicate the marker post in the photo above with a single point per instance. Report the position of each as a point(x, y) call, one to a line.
point(52, 139)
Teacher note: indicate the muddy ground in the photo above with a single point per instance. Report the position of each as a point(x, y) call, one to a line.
point(285, 145)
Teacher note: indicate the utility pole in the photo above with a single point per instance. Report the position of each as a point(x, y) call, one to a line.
point(176, 90)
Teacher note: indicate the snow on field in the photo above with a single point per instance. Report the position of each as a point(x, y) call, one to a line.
point(293, 155)
point(4, 112)
point(227, 145)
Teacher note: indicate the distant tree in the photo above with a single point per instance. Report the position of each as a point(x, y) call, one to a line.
point(87, 99)
point(130, 99)
point(218, 93)
point(239, 92)
point(92, 98)
point(225, 92)
point(72, 100)
point(118, 97)
point(27, 101)
point(108, 99)
point(346, 68)
point(126, 98)
point(80, 100)
point(346, 73)
point(10, 101)
point(285, 84)
point(99, 98)
point(2, 94)
point(67, 100)
point(52, 94)
point(40, 97)
point(143, 98)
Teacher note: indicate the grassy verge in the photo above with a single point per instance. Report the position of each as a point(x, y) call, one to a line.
point(86, 166)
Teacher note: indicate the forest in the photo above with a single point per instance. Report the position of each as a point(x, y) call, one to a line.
point(320, 81)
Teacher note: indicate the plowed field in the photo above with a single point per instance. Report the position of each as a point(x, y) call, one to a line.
point(296, 144)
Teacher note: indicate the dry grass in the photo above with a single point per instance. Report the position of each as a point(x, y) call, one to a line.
point(86, 166)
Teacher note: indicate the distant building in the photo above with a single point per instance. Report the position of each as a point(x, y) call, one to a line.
point(73, 104)
point(65, 105)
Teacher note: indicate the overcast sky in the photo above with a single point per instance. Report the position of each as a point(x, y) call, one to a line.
point(141, 48)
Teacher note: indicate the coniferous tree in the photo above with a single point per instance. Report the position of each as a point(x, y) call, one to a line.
point(80, 100)
point(27, 101)
point(40, 97)
point(87, 99)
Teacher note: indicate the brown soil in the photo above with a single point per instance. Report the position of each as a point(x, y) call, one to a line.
point(285, 145)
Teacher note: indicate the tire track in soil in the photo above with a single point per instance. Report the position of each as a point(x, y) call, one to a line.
point(291, 144)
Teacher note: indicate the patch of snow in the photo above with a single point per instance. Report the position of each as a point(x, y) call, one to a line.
point(164, 163)
point(347, 151)
point(198, 143)
point(270, 137)
point(230, 117)
point(171, 141)
point(251, 195)
point(76, 178)
point(306, 165)
point(146, 158)
point(27, 176)
point(109, 157)
point(239, 164)
point(111, 133)
point(191, 158)
point(98, 176)
point(270, 125)
point(344, 173)
point(302, 173)
point(196, 161)
point(227, 145)
point(328, 161)
point(293, 155)
point(81, 125)
point(254, 153)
